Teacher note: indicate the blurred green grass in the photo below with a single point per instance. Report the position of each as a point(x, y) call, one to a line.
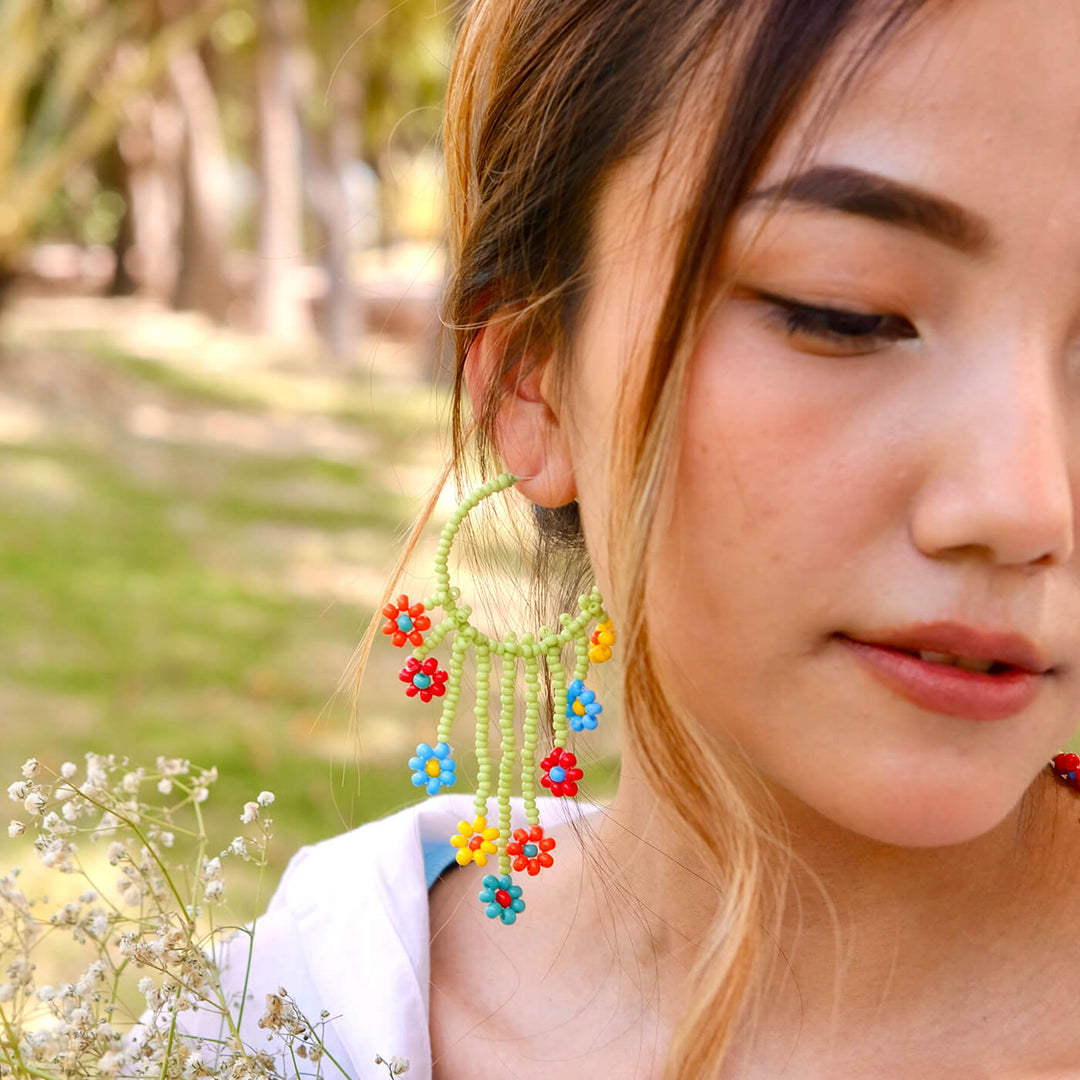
point(192, 537)
point(164, 592)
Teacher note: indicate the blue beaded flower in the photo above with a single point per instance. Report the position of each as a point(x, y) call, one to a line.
point(502, 897)
point(582, 708)
point(433, 768)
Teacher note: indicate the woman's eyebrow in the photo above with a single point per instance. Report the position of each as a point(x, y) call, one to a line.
point(867, 194)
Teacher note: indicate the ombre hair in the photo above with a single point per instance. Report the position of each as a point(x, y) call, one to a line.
point(546, 98)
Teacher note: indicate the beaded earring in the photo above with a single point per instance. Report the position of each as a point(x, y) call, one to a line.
point(1066, 767)
point(575, 709)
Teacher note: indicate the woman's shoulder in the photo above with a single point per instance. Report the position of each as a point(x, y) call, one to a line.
point(346, 931)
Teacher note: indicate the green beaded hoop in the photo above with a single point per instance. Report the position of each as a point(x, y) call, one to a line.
point(575, 707)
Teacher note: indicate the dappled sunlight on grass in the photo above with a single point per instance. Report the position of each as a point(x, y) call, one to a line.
point(192, 540)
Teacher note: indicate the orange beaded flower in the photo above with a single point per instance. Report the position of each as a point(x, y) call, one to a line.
point(531, 850)
point(404, 621)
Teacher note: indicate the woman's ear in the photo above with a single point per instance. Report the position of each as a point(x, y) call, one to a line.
point(529, 435)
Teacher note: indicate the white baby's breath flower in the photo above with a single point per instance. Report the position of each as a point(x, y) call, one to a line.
point(200, 794)
point(265, 798)
point(251, 813)
point(238, 846)
point(164, 786)
point(173, 766)
point(88, 896)
point(399, 1065)
point(145, 985)
point(166, 839)
point(115, 852)
point(30, 768)
point(15, 828)
point(111, 1062)
point(7, 992)
point(70, 811)
point(131, 781)
point(215, 890)
point(97, 776)
point(46, 993)
point(34, 803)
point(68, 769)
point(18, 791)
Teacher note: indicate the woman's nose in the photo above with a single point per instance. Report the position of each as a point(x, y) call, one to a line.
point(1000, 483)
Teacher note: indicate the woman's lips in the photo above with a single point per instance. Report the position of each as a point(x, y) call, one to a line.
point(944, 689)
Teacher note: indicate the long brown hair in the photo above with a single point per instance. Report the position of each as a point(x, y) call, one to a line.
point(546, 97)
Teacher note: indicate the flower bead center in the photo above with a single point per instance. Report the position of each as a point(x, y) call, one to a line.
point(421, 681)
point(502, 898)
point(404, 623)
point(475, 842)
point(579, 708)
point(557, 774)
point(433, 768)
point(530, 851)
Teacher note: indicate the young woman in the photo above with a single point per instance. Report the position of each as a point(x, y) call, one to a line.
point(774, 308)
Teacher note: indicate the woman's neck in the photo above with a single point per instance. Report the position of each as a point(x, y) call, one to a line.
point(872, 936)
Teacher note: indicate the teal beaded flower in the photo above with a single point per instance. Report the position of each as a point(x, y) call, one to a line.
point(433, 768)
point(502, 897)
point(582, 708)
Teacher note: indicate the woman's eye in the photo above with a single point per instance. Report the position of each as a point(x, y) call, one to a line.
point(838, 330)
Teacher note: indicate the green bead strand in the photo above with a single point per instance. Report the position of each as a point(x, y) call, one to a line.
point(506, 751)
point(483, 720)
point(433, 638)
point(453, 689)
point(528, 749)
point(581, 651)
point(558, 696)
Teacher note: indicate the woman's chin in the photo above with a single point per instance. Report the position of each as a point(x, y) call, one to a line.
point(929, 818)
point(917, 814)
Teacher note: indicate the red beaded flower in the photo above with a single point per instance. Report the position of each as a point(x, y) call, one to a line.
point(404, 621)
point(530, 850)
point(1067, 766)
point(560, 772)
point(424, 678)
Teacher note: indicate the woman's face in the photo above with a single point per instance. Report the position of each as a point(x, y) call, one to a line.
point(881, 441)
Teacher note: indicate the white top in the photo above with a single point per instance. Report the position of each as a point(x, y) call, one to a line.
point(347, 931)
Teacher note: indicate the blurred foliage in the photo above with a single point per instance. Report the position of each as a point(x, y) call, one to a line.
point(399, 50)
point(69, 67)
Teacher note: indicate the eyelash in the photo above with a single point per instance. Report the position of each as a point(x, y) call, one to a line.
point(837, 326)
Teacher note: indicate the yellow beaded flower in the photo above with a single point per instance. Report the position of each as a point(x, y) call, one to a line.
point(603, 637)
point(475, 842)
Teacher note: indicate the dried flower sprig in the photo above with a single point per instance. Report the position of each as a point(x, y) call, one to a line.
point(153, 937)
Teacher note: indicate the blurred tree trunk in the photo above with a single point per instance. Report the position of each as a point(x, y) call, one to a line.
point(64, 93)
point(342, 324)
point(152, 147)
point(281, 308)
point(201, 283)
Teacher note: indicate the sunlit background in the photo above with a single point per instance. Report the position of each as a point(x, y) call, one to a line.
point(220, 392)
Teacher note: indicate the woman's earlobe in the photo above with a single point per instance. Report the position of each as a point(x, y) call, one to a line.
point(529, 435)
